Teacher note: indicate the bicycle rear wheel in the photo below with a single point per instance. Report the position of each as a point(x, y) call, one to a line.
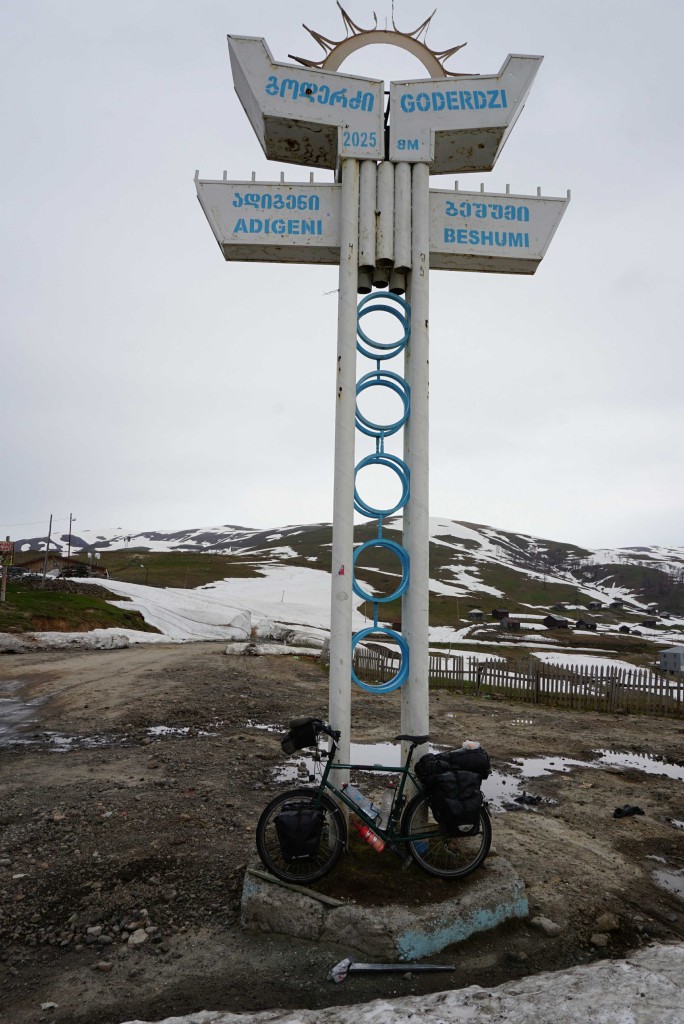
point(332, 844)
point(441, 854)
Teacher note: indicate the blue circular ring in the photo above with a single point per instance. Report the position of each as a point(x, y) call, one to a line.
point(402, 675)
point(399, 467)
point(402, 553)
point(383, 349)
point(386, 379)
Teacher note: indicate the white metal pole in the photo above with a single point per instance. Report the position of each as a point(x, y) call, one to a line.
point(415, 697)
point(343, 499)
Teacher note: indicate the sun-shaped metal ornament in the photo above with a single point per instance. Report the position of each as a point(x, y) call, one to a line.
point(414, 42)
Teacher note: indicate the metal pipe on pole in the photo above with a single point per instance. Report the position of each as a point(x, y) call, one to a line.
point(384, 221)
point(343, 493)
point(415, 697)
point(402, 218)
point(368, 187)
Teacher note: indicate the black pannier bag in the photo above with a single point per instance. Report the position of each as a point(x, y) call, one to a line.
point(302, 733)
point(452, 783)
point(299, 827)
point(465, 760)
point(456, 799)
point(461, 759)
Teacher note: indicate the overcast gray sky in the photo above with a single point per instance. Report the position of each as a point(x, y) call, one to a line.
point(148, 384)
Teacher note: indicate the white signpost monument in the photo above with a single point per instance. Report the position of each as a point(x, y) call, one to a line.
point(383, 225)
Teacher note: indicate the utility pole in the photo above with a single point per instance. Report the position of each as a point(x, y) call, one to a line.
point(47, 550)
point(71, 520)
point(3, 583)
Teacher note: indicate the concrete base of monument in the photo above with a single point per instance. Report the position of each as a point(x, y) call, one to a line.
point(403, 931)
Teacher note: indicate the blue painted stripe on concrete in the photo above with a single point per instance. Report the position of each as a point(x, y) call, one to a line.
point(416, 944)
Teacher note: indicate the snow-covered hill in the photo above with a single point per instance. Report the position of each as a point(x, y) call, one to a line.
point(467, 560)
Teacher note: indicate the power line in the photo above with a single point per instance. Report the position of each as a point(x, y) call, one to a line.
point(37, 522)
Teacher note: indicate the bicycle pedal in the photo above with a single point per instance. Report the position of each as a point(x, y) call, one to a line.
point(407, 864)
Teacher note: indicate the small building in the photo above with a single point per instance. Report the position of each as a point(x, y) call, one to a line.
point(58, 565)
point(38, 563)
point(594, 605)
point(513, 625)
point(476, 615)
point(499, 613)
point(624, 629)
point(617, 603)
point(649, 623)
point(672, 660)
point(556, 622)
point(653, 607)
point(560, 606)
point(585, 624)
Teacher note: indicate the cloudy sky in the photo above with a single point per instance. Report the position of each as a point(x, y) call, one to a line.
point(148, 384)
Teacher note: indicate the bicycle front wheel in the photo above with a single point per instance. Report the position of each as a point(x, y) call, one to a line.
point(331, 846)
point(439, 853)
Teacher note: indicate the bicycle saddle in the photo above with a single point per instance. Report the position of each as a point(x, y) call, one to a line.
point(418, 740)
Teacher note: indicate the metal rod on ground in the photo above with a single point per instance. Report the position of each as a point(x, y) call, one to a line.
point(415, 698)
point(343, 497)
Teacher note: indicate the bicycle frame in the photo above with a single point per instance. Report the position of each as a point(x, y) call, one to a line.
point(387, 831)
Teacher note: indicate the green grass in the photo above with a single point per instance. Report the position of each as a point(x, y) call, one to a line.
point(169, 569)
point(25, 611)
point(648, 584)
point(173, 568)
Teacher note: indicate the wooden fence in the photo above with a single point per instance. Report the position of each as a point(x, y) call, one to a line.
point(585, 687)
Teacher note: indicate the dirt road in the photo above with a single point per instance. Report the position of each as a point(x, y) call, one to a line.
point(127, 819)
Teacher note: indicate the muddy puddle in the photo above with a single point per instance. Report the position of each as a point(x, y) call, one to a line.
point(505, 789)
point(668, 879)
point(19, 718)
point(16, 715)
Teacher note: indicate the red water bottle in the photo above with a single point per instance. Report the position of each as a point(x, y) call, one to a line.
point(369, 837)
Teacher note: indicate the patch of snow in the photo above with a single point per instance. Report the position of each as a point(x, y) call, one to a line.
point(280, 552)
point(577, 659)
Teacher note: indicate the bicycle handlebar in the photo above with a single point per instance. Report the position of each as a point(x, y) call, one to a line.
point(334, 734)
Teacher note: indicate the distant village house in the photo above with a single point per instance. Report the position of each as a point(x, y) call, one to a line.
point(672, 660)
point(556, 622)
point(512, 625)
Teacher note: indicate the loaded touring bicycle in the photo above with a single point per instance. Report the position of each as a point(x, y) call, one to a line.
point(444, 826)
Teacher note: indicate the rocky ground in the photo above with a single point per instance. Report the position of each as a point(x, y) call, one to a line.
point(123, 847)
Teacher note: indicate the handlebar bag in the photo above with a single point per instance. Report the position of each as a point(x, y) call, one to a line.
point(302, 733)
point(299, 827)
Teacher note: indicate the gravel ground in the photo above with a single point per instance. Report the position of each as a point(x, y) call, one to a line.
point(123, 847)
